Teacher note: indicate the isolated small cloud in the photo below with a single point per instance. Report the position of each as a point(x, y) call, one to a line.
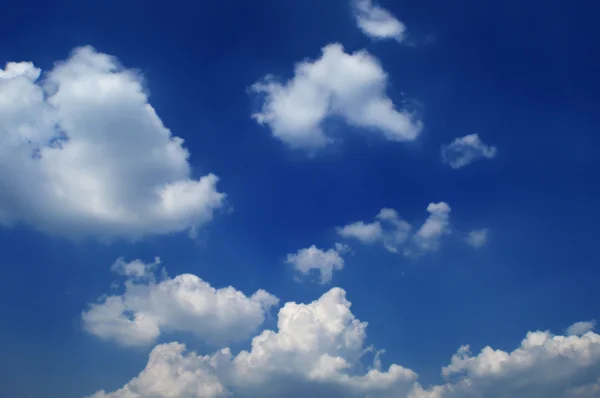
point(465, 150)
point(435, 226)
point(84, 154)
point(314, 259)
point(349, 86)
point(397, 235)
point(581, 328)
point(376, 22)
point(185, 303)
point(478, 237)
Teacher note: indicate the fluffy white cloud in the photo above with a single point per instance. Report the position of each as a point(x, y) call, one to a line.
point(544, 365)
point(314, 259)
point(465, 150)
point(377, 22)
point(172, 373)
point(478, 237)
point(315, 352)
point(349, 86)
point(83, 153)
point(396, 234)
point(185, 303)
point(581, 328)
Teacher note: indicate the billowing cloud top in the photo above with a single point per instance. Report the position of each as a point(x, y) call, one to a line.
point(83, 153)
point(317, 352)
point(350, 86)
point(185, 303)
point(377, 22)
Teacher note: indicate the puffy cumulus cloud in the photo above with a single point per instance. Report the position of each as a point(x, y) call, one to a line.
point(315, 352)
point(545, 365)
point(314, 259)
point(397, 235)
point(349, 86)
point(478, 237)
point(581, 328)
point(171, 372)
point(186, 303)
point(464, 150)
point(376, 22)
point(83, 153)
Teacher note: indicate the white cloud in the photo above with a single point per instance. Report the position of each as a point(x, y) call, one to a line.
point(396, 234)
point(478, 237)
point(185, 303)
point(83, 153)
point(581, 328)
point(315, 352)
point(376, 22)
point(544, 365)
point(350, 86)
point(435, 226)
point(314, 259)
point(465, 150)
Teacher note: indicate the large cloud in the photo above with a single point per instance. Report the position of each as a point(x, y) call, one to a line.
point(349, 86)
point(185, 303)
point(396, 234)
point(313, 259)
point(377, 22)
point(317, 352)
point(83, 153)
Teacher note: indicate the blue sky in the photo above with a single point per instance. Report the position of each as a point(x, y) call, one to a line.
point(522, 76)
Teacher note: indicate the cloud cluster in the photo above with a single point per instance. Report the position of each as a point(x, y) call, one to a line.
point(349, 86)
point(318, 349)
point(397, 235)
point(313, 259)
point(376, 22)
point(467, 149)
point(315, 352)
point(147, 308)
point(83, 153)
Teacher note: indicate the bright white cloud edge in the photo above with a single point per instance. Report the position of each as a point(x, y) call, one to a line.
point(465, 150)
point(376, 22)
point(317, 349)
point(349, 86)
point(149, 308)
point(83, 153)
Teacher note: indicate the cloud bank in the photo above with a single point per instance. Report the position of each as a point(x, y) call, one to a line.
point(317, 350)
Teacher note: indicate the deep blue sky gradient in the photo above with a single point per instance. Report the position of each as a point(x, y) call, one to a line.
point(522, 74)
